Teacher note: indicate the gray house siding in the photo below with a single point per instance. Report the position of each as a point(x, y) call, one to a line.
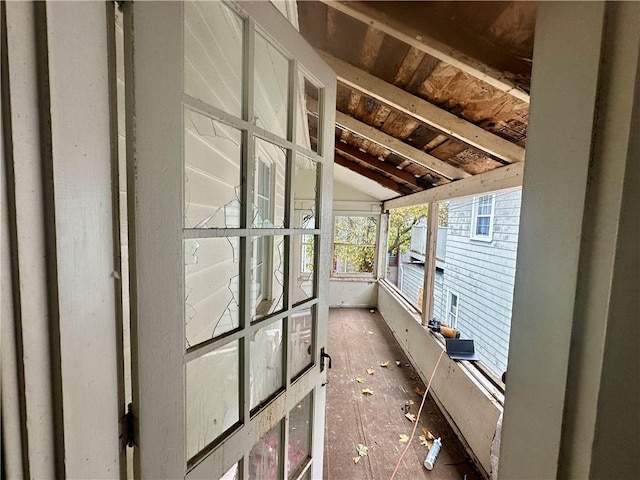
point(482, 274)
point(412, 280)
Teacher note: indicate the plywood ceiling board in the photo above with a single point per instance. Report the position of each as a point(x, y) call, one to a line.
point(373, 39)
point(398, 146)
point(389, 59)
point(423, 110)
point(407, 70)
point(381, 116)
point(422, 73)
point(448, 149)
point(343, 96)
point(421, 136)
point(474, 162)
point(367, 109)
point(393, 124)
point(354, 101)
point(369, 13)
point(467, 27)
point(345, 36)
point(313, 23)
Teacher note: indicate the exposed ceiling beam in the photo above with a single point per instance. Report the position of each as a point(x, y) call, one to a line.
point(371, 17)
point(376, 163)
point(371, 175)
point(399, 147)
point(424, 111)
point(504, 177)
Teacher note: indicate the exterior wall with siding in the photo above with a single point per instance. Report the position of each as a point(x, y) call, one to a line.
point(482, 274)
point(412, 280)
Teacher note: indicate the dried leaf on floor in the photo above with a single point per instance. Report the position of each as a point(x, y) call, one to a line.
point(362, 450)
point(367, 391)
point(403, 438)
point(410, 416)
point(370, 371)
point(420, 391)
point(385, 363)
point(356, 459)
point(360, 380)
point(427, 434)
point(425, 442)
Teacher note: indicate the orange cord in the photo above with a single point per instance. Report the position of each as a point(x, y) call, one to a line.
point(415, 426)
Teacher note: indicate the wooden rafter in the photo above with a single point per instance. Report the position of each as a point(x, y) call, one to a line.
point(391, 143)
point(378, 164)
point(424, 111)
point(372, 175)
point(399, 147)
point(368, 15)
point(504, 177)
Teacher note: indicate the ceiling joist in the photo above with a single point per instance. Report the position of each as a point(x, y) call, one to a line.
point(376, 163)
point(399, 147)
point(424, 111)
point(364, 13)
point(504, 177)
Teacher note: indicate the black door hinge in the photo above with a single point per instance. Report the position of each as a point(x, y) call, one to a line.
point(128, 426)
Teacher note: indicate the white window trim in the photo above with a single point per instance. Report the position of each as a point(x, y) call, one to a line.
point(474, 219)
point(446, 319)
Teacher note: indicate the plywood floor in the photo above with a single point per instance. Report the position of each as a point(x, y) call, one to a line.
point(359, 340)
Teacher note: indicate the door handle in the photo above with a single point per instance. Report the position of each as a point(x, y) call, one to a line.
point(324, 355)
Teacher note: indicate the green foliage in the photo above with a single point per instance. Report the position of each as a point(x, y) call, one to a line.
point(401, 220)
point(354, 244)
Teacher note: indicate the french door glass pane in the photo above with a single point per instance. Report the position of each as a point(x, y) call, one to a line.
point(232, 474)
point(305, 182)
point(307, 133)
point(301, 341)
point(271, 87)
point(212, 296)
point(304, 262)
point(264, 458)
point(212, 396)
point(212, 172)
point(270, 173)
point(268, 283)
point(299, 435)
point(213, 55)
point(266, 362)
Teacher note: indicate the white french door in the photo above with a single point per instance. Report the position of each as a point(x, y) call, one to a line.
point(230, 154)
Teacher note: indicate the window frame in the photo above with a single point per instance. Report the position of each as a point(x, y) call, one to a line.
point(450, 295)
point(355, 275)
point(476, 215)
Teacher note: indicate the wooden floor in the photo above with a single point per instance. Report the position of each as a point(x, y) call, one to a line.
point(359, 340)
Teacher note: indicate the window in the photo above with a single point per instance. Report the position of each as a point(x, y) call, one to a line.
point(354, 245)
point(482, 220)
point(452, 309)
point(263, 193)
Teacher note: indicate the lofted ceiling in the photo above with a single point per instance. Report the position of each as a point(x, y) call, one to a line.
point(429, 93)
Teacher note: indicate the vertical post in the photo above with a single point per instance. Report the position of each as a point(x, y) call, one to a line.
point(430, 262)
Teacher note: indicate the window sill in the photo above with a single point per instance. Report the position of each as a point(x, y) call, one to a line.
point(353, 278)
point(488, 239)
